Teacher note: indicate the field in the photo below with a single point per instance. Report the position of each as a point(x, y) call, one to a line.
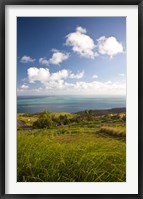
point(64, 147)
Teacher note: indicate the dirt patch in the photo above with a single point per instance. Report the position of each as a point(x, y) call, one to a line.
point(22, 125)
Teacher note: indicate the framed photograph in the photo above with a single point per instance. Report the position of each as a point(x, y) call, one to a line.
point(71, 99)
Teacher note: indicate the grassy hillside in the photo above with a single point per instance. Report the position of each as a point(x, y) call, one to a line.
point(63, 147)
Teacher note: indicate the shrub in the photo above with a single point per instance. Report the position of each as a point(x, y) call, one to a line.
point(113, 131)
point(44, 121)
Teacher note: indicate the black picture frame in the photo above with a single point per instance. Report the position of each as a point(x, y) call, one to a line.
point(3, 3)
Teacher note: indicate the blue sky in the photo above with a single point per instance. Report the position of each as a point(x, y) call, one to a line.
point(71, 55)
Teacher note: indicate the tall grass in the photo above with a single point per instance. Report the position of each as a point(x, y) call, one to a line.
point(114, 131)
point(46, 156)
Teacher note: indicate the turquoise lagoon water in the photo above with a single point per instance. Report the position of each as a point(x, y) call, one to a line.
point(34, 104)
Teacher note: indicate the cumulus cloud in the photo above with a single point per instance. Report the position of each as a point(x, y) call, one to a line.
point(38, 74)
point(79, 75)
point(95, 76)
point(58, 83)
point(84, 88)
point(109, 46)
point(81, 43)
point(43, 75)
point(98, 88)
point(26, 59)
point(24, 86)
point(56, 59)
point(62, 74)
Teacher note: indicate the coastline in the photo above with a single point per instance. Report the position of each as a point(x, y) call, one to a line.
point(70, 104)
point(99, 112)
point(95, 112)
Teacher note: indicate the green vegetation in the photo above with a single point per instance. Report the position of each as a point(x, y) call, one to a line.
point(114, 131)
point(28, 119)
point(64, 147)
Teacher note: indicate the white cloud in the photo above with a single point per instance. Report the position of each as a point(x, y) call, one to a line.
point(109, 82)
point(30, 91)
point(109, 46)
point(60, 87)
point(96, 54)
point(99, 88)
point(24, 86)
point(56, 59)
point(43, 75)
point(57, 83)
point(79, 75)
point(122, 75)
point(81, 43)
point(80, 29)
point(26, 59)
point(43, 61)
point(38, 74)
point(37, 90)
point(95, 76)
point(62, 74)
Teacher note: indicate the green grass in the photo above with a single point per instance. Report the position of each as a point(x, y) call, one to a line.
point(70, 154)
point(71, 148)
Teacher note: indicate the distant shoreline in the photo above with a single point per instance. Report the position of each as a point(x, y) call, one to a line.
point(96, 112)
point(88, 96)
point(99, 112)
point(67, 104)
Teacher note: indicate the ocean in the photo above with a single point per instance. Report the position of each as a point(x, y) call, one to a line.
point(72, 104)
